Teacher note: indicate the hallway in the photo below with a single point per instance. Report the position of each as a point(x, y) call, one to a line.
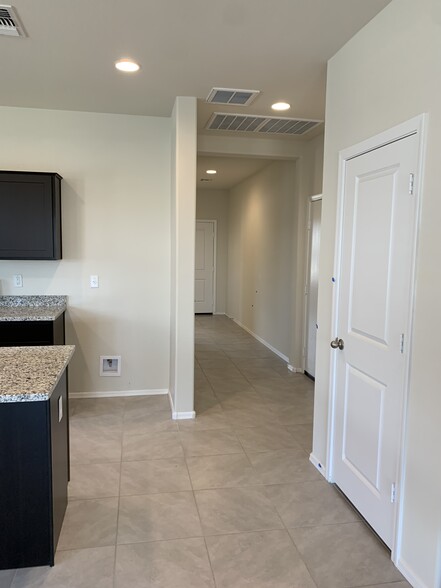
point(229, 500)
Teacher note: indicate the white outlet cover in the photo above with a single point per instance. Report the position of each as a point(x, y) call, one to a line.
point(18, 281)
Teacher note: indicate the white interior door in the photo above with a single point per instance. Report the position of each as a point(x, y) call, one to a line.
point(315, 214)
point(378, 225)
point(204, 267)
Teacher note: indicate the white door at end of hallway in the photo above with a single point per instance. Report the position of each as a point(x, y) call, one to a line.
point(377, 239)
point(204, 267)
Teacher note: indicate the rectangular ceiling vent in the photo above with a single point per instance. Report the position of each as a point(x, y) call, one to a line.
point(221, 121)
point(231, 96)
point(10, 24)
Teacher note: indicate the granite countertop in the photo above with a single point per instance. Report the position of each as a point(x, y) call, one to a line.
point(31, 308)
point(29, 374)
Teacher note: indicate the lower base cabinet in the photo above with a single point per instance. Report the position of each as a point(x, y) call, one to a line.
point(34, 476)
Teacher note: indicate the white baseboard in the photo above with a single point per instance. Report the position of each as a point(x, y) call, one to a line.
point(295, 370)
point(180, 416)
point(268, 345)
point(117, 393)
point(316, 463)
point(219, 313)
point(410, 575)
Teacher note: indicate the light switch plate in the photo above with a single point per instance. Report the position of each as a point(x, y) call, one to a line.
point(94, 282)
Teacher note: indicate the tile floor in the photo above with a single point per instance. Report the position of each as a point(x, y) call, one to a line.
point(229, 500)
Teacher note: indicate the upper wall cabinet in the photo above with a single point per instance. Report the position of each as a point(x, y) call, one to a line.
point(30, 215)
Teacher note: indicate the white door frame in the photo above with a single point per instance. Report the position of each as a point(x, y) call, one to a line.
point(214, 223)
point(311, 199)
point(415, 126)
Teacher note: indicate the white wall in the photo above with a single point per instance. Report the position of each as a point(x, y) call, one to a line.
point(213, 205)
point(116, 223)
point(183, 227)
point(391, 72)
point(260, 262)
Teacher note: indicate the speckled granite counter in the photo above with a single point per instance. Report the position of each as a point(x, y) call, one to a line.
point(31, 308)
point(30, 374)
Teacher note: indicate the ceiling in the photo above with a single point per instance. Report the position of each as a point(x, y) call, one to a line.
point(185, 47)
point(230, 171)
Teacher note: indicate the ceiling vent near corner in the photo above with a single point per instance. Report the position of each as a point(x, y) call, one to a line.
point(10, 24)
point(270, 125)
point(231, 96)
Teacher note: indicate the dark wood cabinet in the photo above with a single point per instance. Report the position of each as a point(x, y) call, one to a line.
point(24, 333)
point(30, 215)
point(34, 476)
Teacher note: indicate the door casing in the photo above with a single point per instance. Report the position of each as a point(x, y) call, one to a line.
point(413, 126)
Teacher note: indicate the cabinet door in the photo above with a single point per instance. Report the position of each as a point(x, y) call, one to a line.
point(30, 216)
point(59, 451)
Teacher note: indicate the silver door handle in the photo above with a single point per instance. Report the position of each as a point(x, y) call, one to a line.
point(337, 343)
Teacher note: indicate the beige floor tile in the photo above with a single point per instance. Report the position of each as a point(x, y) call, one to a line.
point(156, 517)
point(310, 504)
point(218, 442)
point(258, 560)
point(210, 354)
point(223, 363)
point(219, 375)
point(6, 577)
point(403, 584)
point(110, 423)
point(284, 466)
point(254, 374)
point(299, 414)
point(148, 423)
point(181, 563)
point(82, 568)
point(303, 435)
point(89, 523)
point(221, 471)
point(97, 406)
point(227, 388)
point(99, 480)
point(95, 446)
point(247, 363)
point(236, 510)
point(158, 446)
point(340, 556)
point(246, 402)
point(207, 419)
point(265, 438)
point(253, 416)
point(149, 477)
point(146, 404)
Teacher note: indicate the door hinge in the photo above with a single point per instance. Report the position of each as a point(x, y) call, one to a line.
point(411, 183)
point(393, 493)
point(402, 343)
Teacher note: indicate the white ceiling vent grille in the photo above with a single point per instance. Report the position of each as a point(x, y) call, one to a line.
point(10, 24)
point(231, 96)
point(260, 124)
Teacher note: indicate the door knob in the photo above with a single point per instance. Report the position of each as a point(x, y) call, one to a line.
point(337, 343)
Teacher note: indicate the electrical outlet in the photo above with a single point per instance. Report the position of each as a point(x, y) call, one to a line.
point(18, 281)
point(94, 282)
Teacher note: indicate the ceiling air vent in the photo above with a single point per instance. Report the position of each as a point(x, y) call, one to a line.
point(10, 24)
point(221, 121)
point(231, 96)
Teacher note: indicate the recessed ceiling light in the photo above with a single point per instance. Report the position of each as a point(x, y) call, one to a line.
point(211, 171)
point(127, 65)
point(281, 106)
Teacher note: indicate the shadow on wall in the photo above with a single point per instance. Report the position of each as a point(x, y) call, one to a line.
point(73, 215)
